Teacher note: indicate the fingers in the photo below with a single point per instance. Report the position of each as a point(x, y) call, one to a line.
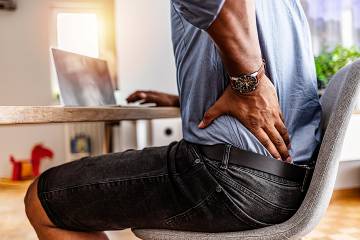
point(136, 96)
point(281, 128)
point(282, 117)
point(144, 96)
point(278, 141)
point(213, 113)
point(264, 139)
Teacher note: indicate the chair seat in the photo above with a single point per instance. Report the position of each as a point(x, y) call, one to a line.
point(268, 233)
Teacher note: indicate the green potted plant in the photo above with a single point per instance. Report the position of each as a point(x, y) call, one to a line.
point(328, 62)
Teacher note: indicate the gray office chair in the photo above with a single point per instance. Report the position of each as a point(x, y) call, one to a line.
point(338, 103)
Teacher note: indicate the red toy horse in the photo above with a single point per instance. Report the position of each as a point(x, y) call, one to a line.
point(38, 153)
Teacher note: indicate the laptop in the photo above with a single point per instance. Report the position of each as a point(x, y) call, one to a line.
point(83, 81)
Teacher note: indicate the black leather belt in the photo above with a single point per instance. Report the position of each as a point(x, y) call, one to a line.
point(296, 173)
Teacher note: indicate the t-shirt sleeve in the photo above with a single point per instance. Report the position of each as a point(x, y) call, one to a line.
point(200, 13)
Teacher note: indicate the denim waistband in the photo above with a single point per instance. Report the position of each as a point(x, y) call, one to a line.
point(227, 154)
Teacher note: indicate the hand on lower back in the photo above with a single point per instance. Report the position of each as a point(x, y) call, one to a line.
point(259, 112)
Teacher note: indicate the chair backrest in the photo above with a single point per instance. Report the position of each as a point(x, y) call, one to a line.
point(331, 97)
point(338, 103)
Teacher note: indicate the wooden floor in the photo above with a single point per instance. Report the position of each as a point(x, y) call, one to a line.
point(342, 221)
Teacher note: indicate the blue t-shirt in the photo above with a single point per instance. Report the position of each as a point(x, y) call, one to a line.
point(286, 47)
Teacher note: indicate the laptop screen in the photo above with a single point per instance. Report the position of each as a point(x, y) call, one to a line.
point(83, 81)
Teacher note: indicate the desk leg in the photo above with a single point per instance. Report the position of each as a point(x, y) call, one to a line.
point(108, 138)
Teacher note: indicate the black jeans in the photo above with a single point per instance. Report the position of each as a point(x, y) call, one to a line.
point(171, 187)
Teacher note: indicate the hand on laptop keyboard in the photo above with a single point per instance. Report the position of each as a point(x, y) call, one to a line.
point(158, 98)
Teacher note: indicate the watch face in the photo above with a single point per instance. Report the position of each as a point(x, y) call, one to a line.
point(245, 84)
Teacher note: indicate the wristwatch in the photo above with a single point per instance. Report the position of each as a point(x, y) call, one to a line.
point(247, 83)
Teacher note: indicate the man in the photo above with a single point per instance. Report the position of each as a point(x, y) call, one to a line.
point(247, 89)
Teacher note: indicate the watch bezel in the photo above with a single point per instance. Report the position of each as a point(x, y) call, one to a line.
point(241, 83)
point(238, 83)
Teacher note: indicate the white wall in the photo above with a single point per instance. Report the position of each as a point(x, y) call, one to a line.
point(351, 149)
point(145, 62)
point(144, 50)
point(25, 79)
point(349, 168)
point(348, 176)
point(24, 57)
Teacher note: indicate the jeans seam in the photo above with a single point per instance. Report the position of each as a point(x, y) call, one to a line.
point(103, 182)
point(185, 213)
point(268, 179)
point(236, 185)
point(193, 149)
point(255, 223)
point(192, 170)
point(256, 196)
point(43, 200)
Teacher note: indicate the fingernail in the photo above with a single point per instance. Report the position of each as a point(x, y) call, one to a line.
point(289, 160)
point(278, 159)
point(201, 124)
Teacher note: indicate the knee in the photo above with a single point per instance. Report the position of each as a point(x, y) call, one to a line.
point(32, 204)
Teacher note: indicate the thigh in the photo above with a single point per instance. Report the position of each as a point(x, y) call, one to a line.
point(133, 189)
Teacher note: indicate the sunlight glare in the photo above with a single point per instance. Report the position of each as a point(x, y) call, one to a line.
point(78, 33)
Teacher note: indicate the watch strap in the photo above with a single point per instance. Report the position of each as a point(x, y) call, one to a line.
point(260, 73)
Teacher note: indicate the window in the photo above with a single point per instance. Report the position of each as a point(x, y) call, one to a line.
point(333, 22)
point(79, 33)
point(84, 27)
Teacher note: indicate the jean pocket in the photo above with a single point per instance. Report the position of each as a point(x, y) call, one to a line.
point(212, 214)
point(265, 198)
point(186, 159)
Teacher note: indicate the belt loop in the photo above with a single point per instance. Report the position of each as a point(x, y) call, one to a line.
point(196, 151)
point(307, 179)
point(225, 161)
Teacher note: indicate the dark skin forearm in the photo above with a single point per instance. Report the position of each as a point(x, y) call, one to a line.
point(236, 37)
